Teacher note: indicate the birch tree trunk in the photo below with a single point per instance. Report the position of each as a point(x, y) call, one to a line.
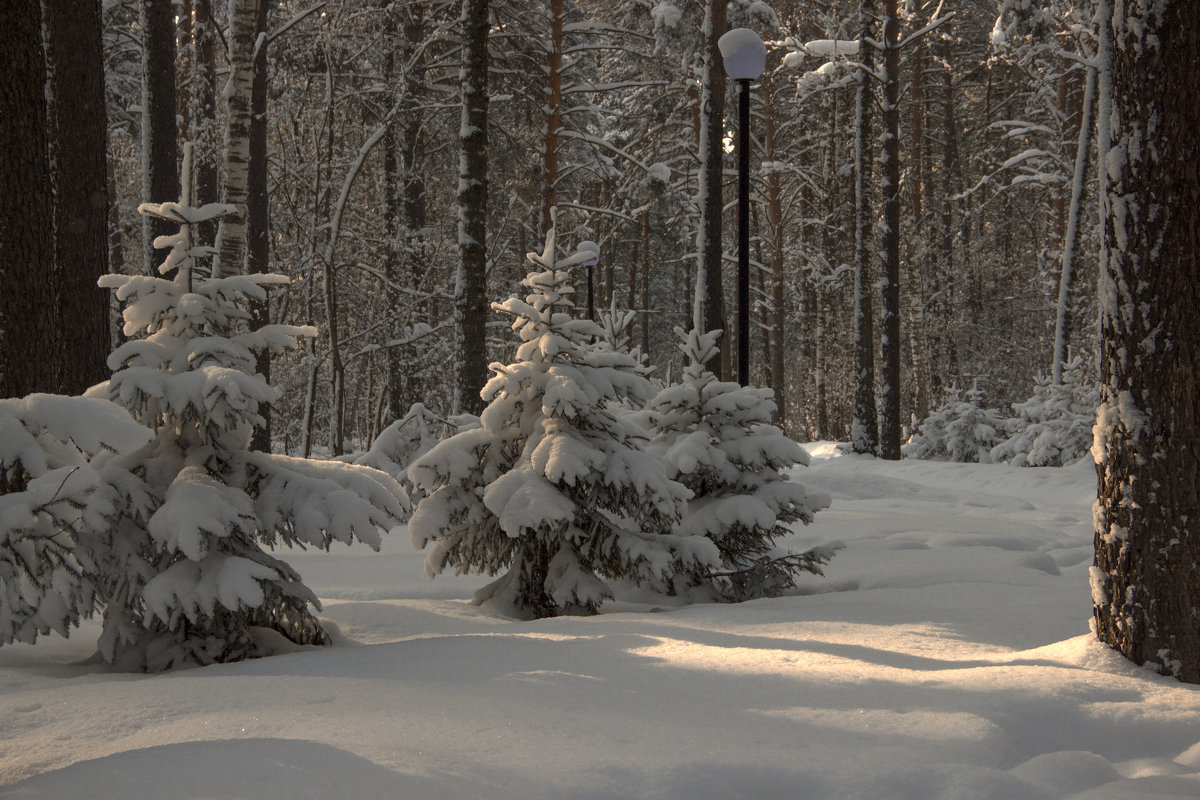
point(914, 298)
point(1071, 240)
point(775, 222)
point(1145, 585)
point(235, 190)
point(470, 300)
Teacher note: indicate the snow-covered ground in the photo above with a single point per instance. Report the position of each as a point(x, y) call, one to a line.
point(945, 655)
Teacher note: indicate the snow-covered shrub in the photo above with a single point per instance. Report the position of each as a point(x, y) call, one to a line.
point(716, 439)
point(553, 488)
point(185, 574)
point(1054, 427)
point(959, 430)
point(53, 506)
point(403, 442)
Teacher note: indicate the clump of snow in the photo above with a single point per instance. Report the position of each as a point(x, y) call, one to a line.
point(666, 15)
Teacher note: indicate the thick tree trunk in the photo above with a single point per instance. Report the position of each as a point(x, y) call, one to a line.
point(1145, 585)
point(28, 328)
point(470, 300)
point(709, 311)
point(160, 174)
point(889, 418)
point(78, 146)
point(864, 433)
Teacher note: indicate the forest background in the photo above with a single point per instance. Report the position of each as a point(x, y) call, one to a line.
point(598, 111)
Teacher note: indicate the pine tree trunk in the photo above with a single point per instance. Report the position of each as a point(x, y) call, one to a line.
point(865, 427)
point(28, 329)
point(160, 173)
point(231, 233)
point(710, 294)
point(553, 108)
point(470, 306)
point(203, 131)
point(889, 418)
point(915, 296)
point(1145, 585)
point(78, 145)
point(393, 390)
point(258, 211)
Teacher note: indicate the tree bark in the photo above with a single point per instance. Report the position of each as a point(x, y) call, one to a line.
point(778, 278)
point(160, 173)
point(709, 311)
point(78, 147)
point(203, 130)
point(258, 210)
point(470, 306)
point(28, 329)
point(231, 233)
point(889, 418)
point(914, 298)
point(553, 108)
point(1074, 233)
point(864, 433)
point(1145, 585)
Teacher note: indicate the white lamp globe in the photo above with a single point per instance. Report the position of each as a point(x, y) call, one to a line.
point(744, 53)
point(589, 251)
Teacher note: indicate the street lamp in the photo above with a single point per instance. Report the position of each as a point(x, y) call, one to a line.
point(745, 56)
point(590, 247)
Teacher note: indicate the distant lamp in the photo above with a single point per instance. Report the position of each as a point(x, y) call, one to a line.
point(745, 57)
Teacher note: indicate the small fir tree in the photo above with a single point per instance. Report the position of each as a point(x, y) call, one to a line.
point(961, 429)
point(187, 578)
point(715, 437)
point(1054, 427)
point(553, 488)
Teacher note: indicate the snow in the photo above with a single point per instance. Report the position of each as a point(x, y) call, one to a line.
point(940, 657)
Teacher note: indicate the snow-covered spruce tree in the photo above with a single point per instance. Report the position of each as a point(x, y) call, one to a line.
point(715, 438)
point(186, 578)
point(1054, 427)
point(959, 430)
point(53, 506)
point(553, 488)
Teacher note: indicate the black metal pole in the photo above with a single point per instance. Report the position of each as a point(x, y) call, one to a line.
point(743, 274)
point(591, 310)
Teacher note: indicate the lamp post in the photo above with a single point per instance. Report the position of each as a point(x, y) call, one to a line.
point(590, 247)
point(745, 55)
